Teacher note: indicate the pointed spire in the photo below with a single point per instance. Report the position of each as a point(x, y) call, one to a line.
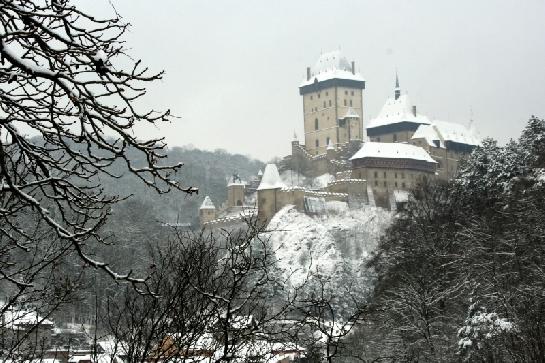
point(271, 178)
point(397, 90)
point(471, 123)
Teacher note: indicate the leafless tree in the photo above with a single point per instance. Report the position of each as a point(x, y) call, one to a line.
point(67, 81)
point(328, 312)
point(165, 326)
point(219, 295)
point(248, 295)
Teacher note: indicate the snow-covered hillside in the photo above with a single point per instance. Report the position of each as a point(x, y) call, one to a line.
point(292, 178)
point(327, 242)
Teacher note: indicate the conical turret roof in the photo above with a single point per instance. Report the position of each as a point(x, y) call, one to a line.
point(271, 178)
point(207, 203)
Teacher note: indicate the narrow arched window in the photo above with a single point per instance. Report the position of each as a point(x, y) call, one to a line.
point(317, 143)
point(316, 124)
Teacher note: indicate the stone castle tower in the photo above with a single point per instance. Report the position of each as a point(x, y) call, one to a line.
point(332, 103)
point(207, 211)
point(235, 192)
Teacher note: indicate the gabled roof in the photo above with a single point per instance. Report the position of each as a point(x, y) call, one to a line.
point(440, 132)
point(396, 111)
point(271, 178)
point(21, 319)
point(331, 65)
point(428, 133)
point(395, 150)
point(207, 203)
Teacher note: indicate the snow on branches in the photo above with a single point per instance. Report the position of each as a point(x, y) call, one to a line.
point(67, 80)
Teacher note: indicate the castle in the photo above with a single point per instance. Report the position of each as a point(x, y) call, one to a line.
point(376, 165)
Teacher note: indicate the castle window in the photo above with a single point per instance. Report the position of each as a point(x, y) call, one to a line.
point(316, 124)
point(345, 92)
point(352, 93)
point(310, 96)
point(239, 202)
point(318, 95)
point(403, 184)
point(402, 175)
point(395, 137)
point(327, 94)
point(350, 102)
point(378, 139)
point(327, 141)
point(329, 103)
point(376, 183)
point(396, 184)
point(376, 174)
point(395, 175)
point(385, 175)
point(385, 183)
point(345, 102)
point(317, 143)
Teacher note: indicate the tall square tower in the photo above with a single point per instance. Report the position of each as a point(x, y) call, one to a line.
point(332, 103)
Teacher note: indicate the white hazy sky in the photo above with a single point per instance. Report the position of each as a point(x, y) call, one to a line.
point(233, 67)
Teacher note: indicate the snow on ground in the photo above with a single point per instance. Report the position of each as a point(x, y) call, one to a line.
point(293, 179)
point(304, 243)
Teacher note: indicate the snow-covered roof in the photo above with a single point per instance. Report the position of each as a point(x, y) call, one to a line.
point(428, 133)
point(392, 151)
point(456, 132)
point(207, 203)
point(351, 113)
point(271, 178)
point(442, 131)
point(21, 318)
point(331, 65)
point(236, 183)
point(395, 111)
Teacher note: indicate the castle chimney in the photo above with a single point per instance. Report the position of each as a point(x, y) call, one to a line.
point(308, 73)
point(414, 111)
point(353, 67)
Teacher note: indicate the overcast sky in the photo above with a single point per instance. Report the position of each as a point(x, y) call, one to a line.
point(233, 67)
